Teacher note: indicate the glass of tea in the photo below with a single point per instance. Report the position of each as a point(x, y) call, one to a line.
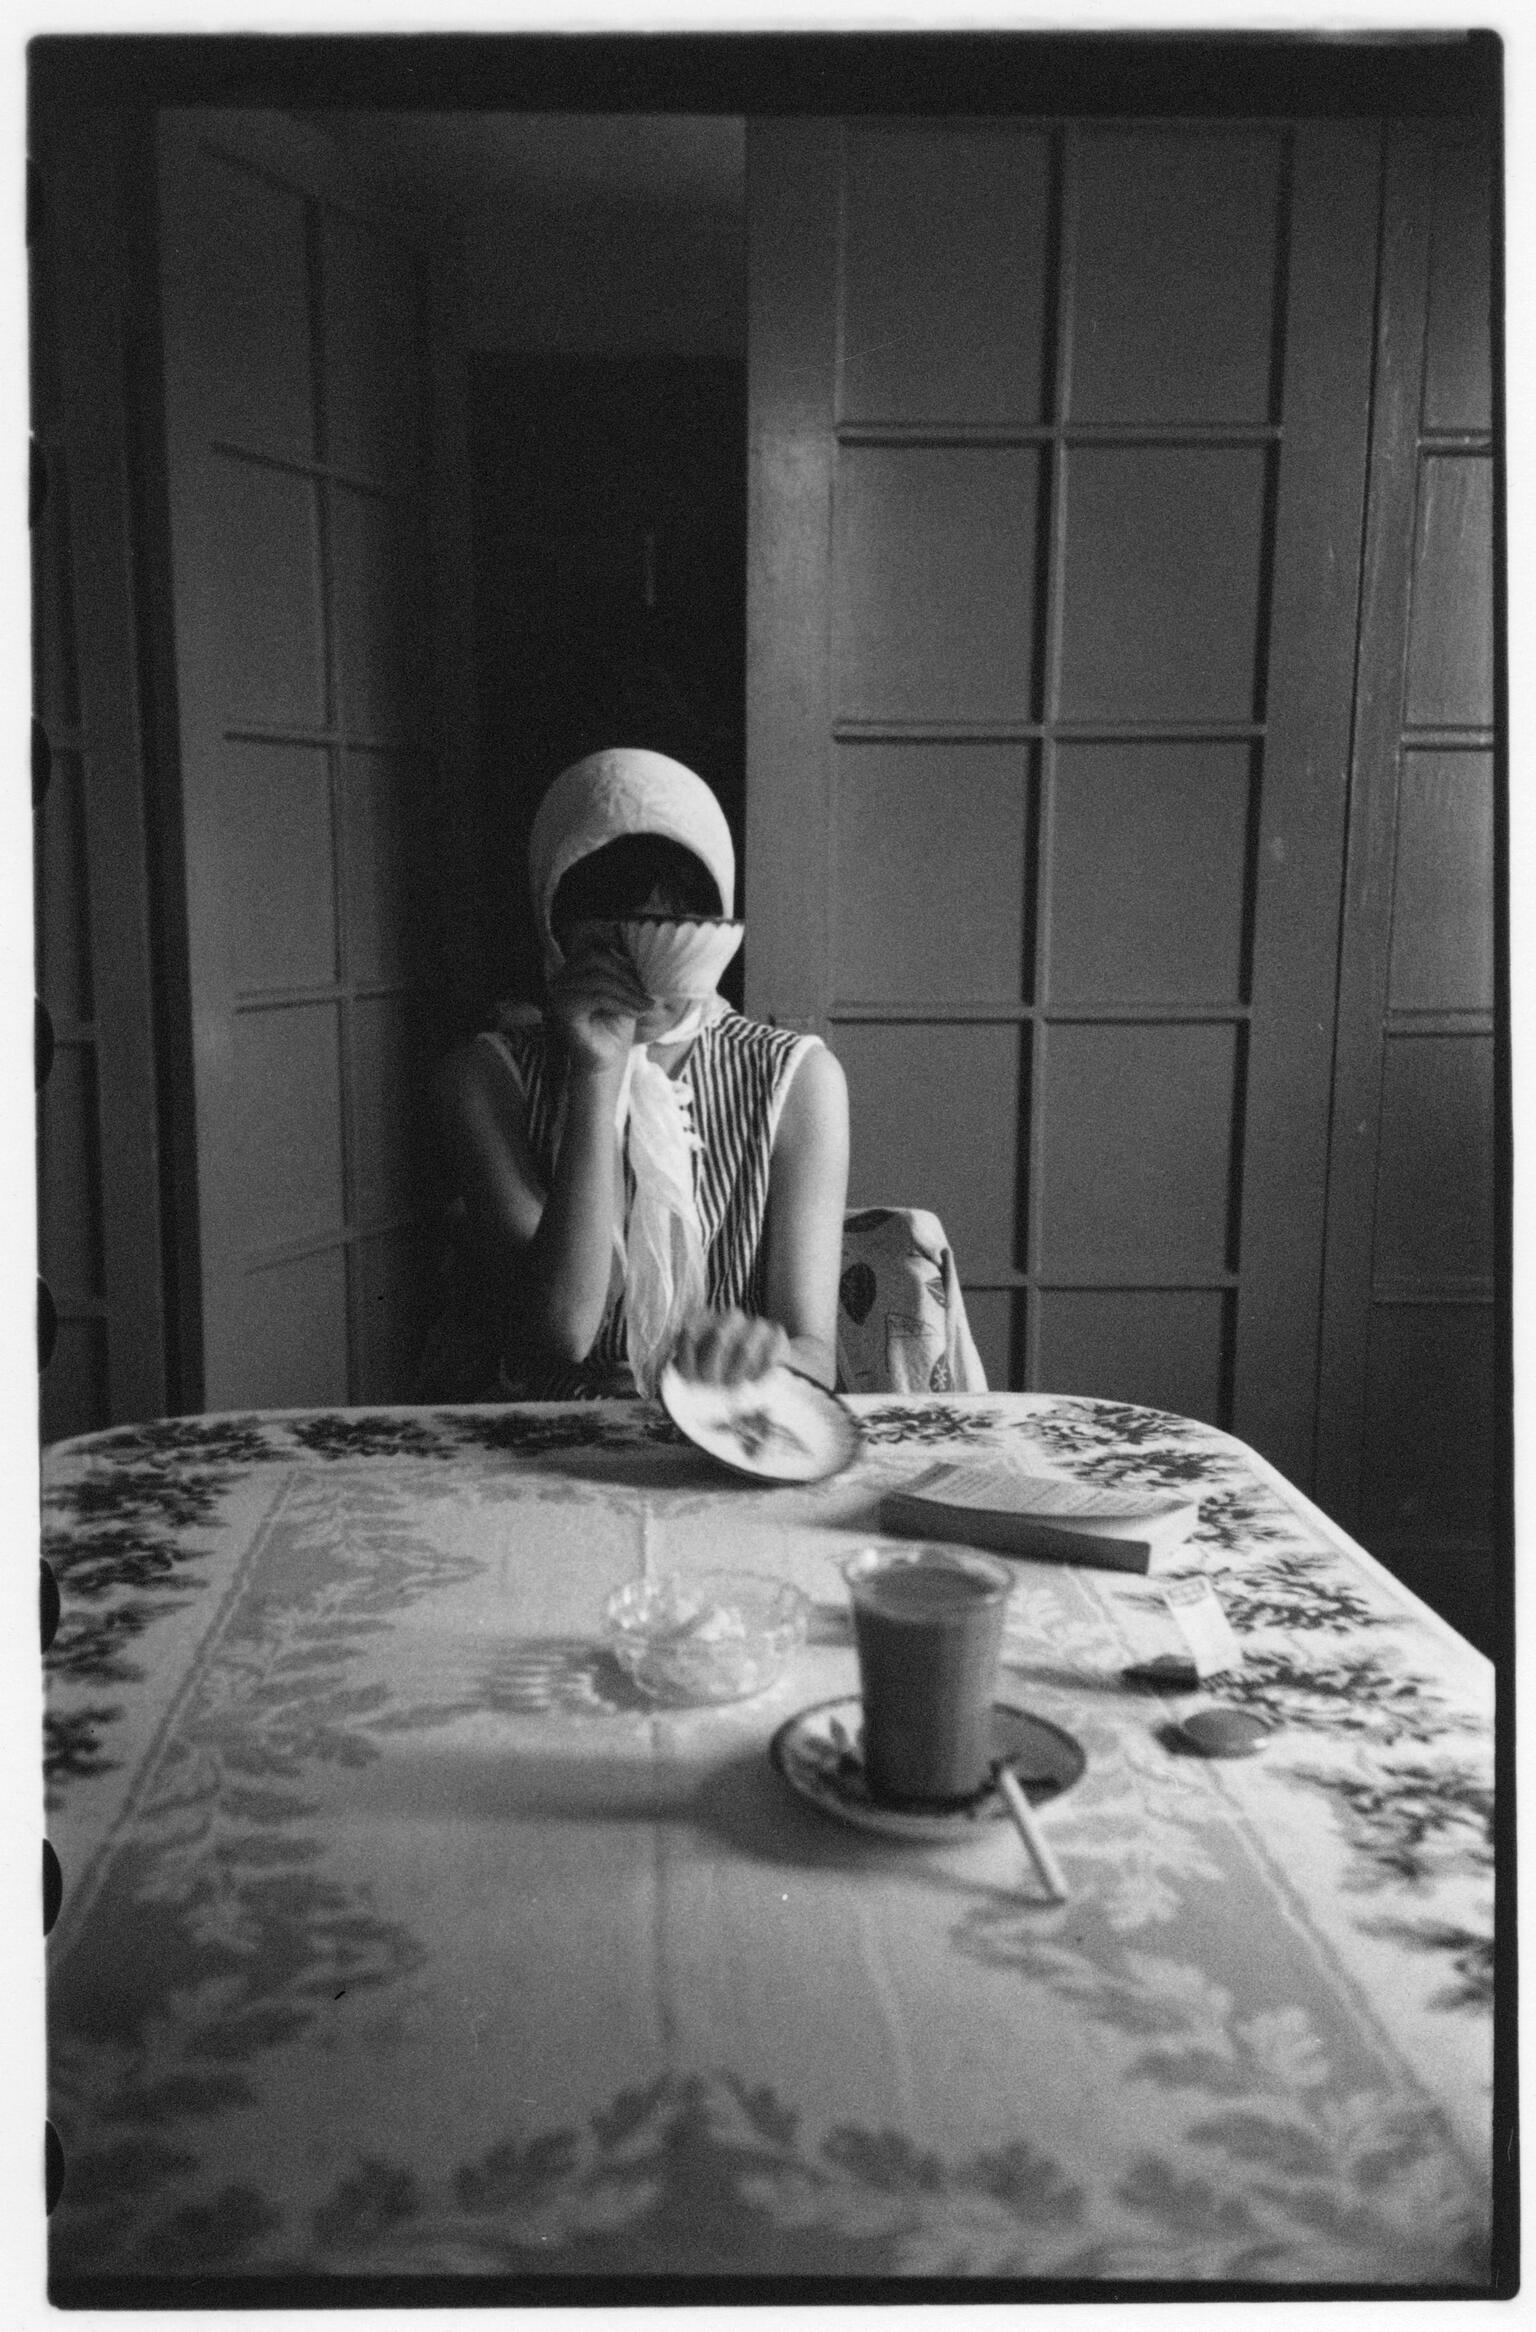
point(928, 1623)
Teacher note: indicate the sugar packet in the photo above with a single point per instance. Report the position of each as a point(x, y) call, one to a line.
point(1198, 1643)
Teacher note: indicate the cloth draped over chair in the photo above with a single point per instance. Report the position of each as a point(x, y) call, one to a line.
point(901, 1324)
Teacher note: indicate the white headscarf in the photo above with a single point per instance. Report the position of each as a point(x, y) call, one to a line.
point(661, 1246)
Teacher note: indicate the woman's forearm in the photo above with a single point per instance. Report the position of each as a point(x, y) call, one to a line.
point(813, 1357)
point(566, 1267)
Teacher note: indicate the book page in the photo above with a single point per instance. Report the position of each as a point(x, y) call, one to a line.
point(993, 1484)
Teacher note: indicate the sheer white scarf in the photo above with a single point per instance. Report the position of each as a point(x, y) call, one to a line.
point(659, 1248)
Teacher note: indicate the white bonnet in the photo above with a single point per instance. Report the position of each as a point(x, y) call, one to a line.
point(625, 790)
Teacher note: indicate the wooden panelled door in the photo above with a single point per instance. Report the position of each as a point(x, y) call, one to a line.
point(1411, 1446)
point(296, 334)
point(1058, 443)
point(99, 1249)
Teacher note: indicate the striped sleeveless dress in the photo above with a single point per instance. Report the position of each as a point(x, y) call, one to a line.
point(735, 1079)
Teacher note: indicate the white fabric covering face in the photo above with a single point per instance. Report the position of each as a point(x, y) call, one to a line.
point(661, 1246)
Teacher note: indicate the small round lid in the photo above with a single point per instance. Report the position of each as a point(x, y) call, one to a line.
point(1225, 1732)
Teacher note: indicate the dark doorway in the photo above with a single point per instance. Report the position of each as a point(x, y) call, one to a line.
point(610, 591)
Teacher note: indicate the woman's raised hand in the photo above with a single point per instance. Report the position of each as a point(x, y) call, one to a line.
point(595, 999)
point(729, 1348)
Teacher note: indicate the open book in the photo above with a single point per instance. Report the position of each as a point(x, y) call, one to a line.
point(986, 1502)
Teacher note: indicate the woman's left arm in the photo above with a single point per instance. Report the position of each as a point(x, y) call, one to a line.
point(803, 1243)
point(807, 1193)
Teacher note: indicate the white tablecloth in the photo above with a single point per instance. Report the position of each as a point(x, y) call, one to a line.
point(400, 1937)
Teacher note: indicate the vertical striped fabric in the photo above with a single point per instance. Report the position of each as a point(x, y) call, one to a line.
point(736, 1076)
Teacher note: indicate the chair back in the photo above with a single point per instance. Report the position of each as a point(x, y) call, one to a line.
point(901, 1324)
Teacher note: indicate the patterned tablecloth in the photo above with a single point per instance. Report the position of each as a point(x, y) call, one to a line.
point(399, 1937)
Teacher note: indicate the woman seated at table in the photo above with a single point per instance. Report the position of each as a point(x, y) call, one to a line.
point(642, 1182)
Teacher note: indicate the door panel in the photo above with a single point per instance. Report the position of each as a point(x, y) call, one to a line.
point(1050, 664)
point(1434, 1191)
point(1152, 1109)
point(1414, 1452)
point(277, 822)
point(919, 526)
point(1430, 1478)
point(1172, 248)
point(1442, 932)
point(917, 827)
point(1168, 1345)
point(286, 1074)
point(297, 450)
point(260, 619)
point(1450, 640)
point(238, 331)
point(1149, 873)
point(1161, 582)
point(1458, 344)
point(923, 1094)
point(934, 231)
point(991, 1314)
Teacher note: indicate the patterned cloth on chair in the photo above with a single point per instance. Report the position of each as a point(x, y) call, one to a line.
point(901, 1324)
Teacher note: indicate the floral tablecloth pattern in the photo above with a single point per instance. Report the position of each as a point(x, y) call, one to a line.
point(399, 1935)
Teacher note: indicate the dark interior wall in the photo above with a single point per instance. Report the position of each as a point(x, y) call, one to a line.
point(607, 397)
point(606, 278)
point(610, 583)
